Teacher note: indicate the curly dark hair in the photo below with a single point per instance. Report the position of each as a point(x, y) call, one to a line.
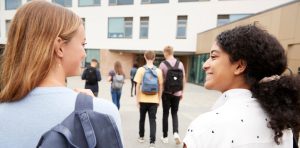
point(265, 57)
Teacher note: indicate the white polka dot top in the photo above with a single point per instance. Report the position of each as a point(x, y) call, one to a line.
point(236, 121)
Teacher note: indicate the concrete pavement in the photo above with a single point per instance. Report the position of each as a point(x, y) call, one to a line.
point(196, 100)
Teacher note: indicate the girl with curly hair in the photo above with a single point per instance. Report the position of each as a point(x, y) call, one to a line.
point(258, 107)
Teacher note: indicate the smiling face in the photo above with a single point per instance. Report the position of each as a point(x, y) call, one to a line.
point(74, 53)
point(221, 74)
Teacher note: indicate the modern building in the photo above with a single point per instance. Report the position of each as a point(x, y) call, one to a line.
point(283, 22)
point(123, 29)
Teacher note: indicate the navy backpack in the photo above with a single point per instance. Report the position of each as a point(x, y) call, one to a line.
point(83, 128)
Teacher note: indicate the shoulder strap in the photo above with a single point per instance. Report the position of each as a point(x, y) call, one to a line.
point(153, 68)
point(295, 142)
point(168, 64)
point(177, 64)
point(83, 102)
point(145, 66)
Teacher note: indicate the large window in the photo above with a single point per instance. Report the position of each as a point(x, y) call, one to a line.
point(227, 18)
point(91, 54)
point(120, 27)
point(191, 0)
point(154, 1)
point(65, 3)
point(144, 27)
point(120, 2)
point(181, 27)
point(196, 73)
point(7, 25)
point(82, 3)
point(12, 4)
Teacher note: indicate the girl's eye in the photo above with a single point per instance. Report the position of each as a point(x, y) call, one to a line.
point(212, 57)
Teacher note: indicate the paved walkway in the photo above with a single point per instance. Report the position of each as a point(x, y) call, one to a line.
point(196, 100)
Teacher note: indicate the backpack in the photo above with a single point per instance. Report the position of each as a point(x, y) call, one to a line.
point(91, 76)
point(117, 82)
point(150, 81)
point(83, 128)
point(174, 78)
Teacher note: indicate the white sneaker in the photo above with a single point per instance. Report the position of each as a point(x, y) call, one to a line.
point(164, 140)
point(141, 139)
point(152, 145)
point(177, 138)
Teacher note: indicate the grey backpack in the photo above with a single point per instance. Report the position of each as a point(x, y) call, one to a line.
point(83, 128)
point(117, 81)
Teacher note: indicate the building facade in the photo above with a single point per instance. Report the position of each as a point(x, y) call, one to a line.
point(283, 22)
point(123, 29)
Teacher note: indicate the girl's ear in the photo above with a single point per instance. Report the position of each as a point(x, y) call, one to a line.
point(58, 47)
point(241, 67)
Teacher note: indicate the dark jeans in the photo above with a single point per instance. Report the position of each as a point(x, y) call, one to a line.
point(151, 108)
point(116, 95)
point(170, 101)
point(133, 85)
point(94, 88)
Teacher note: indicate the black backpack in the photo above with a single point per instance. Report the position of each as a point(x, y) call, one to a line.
point(91, 76)
point(83, 128)
point(174, 78)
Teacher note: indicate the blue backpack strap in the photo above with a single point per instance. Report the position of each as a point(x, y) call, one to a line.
point(83, 104)
point(153, 69)
point(146, 67)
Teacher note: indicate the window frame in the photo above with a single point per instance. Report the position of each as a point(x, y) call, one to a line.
point(54, 1)
point(144, 26)
point(5, 4)
point(188, 1)
point(181, 25)
point(7, 26)
point(118, 4)
point(89, 5)
point(150, 2)
point(126, 24)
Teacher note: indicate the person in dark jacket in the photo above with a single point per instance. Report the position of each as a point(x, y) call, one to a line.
point(132, 74)
point(92, 76)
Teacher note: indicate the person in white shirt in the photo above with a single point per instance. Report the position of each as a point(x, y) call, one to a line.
point(258, 107)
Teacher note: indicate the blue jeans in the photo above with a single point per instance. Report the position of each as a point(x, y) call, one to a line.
point(116, 95)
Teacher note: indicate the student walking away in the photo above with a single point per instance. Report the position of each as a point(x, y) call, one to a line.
point(259, 106)
point(38, 56)
point(174, 78)
point(92, 76)
point(149, 88)
point(116, 77)
point(132, 74)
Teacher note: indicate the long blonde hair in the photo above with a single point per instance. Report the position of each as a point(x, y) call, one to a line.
point(29, 53)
